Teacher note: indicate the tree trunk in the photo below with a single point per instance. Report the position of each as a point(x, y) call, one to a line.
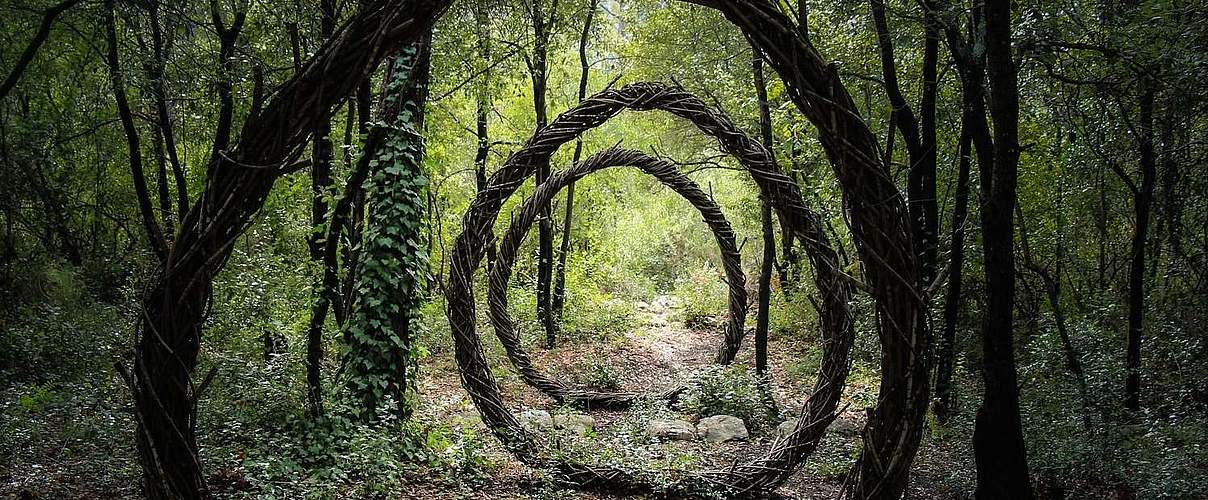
point(322, 155)
point(155, 235)
point(545, 245)
point(769, 238)
point(999, 453)
point(1143, 199)
point(482, 25)
point(558, 300)
point(945, 357)
point(1052, 287)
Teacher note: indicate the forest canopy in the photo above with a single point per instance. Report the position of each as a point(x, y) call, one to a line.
point(587, 248)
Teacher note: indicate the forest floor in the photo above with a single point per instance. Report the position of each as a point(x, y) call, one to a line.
point(660, 353)
point(70, 438)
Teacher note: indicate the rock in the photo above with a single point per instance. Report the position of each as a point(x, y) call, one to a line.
point(721, 428)
point(643, 306)
point(575, 423)
point(785, 428)
point(843, 427)
point(535, 420)
point(670, 430)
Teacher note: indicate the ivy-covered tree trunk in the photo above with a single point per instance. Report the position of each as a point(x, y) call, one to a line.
point(177, 299)
point(380, 352)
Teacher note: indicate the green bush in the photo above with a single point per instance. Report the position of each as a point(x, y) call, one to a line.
point(599, 375)
point(729, 390)
point(704, 297)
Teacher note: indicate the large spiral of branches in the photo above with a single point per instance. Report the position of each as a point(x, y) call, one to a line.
point(750, 479)
point(522, 221)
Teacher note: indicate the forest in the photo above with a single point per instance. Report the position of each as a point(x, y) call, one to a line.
point(549, 249)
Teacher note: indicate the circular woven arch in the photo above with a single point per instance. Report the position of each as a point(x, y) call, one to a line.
point(750, 479)
point(522, 221)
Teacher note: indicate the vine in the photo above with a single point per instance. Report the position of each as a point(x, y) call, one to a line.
point(380, 355)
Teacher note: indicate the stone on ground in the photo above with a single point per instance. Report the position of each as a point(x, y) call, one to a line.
point(671, 430)
point(722, 428)
point(575, 423)
point(843, 427)
point(785, 428)
point(535, 420)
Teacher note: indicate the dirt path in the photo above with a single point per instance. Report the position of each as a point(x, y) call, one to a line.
point(659, 353)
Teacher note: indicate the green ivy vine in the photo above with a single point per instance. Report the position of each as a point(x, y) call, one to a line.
point(381, 356)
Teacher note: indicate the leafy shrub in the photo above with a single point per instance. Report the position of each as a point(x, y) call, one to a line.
point(599, 315)
point(792, 319)
point(600, 376)
point(704, 297)
point(730, 390)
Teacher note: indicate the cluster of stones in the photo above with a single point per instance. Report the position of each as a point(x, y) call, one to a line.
point(714, 429)
point(539, 421)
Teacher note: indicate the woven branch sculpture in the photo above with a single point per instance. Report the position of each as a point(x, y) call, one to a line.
point(522, 221)
point(752, 479)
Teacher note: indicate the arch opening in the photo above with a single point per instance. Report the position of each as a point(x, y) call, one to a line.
point(756, 477)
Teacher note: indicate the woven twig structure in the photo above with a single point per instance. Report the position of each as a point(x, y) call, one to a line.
point(522, 221)
point(755, 478)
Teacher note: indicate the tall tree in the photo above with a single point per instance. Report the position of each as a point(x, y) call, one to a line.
point(1142, 202)
point(1002, 466)
point(946, 351)
point(559, 295)
point(322, 156)
point(542, 23)
point(765, 216)
point(154, 232)
point(482, 30)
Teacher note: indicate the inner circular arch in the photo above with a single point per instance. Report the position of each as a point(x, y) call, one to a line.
point(526, 215)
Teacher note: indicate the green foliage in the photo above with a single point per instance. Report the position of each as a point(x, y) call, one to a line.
point(704, 297)
point(729, 390)
point(381, 353)
point(599, 375)
point(347, 458)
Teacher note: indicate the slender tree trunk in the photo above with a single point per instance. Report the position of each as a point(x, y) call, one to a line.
point(918, 134)
point(769, 238)
point(1052, 287)
point(227, 37)
point(154, 233)
point(545, 250)
point(559, 298)
point(1000, 456)
point(163, 113)
point(945, 357)
point(482, 24)
point(161, 186)
point(1143, 200)
point(322, 155)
